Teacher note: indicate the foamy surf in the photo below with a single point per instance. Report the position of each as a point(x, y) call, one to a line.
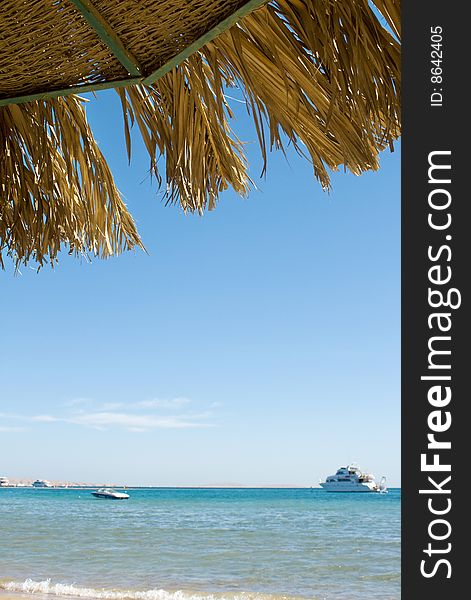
point(46, 587)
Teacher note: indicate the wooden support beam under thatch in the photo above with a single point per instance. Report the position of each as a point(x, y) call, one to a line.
point(108, 36)
point(128, 71)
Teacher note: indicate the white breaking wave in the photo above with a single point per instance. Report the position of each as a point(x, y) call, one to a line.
point(63, 589)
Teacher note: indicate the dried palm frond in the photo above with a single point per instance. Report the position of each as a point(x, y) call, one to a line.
point(323, 75)
point(56, 187)
point(184, 118)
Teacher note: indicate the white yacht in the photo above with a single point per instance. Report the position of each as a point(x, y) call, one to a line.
point(110, 494)
point(42, 483)
point(352, 479)
point(4, 482)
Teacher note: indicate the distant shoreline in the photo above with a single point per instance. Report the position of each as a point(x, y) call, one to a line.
point(92, 486)
point(176, 487)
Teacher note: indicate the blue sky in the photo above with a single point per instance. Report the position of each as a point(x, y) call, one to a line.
point(259, 344)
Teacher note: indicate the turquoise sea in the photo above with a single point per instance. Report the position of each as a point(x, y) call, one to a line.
point(182, 544)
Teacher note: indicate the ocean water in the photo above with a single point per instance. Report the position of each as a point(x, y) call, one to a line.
point(182, 544)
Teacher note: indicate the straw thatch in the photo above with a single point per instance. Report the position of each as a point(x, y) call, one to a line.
point(323, 75)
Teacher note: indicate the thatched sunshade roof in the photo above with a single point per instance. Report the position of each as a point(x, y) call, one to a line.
point(323, 74)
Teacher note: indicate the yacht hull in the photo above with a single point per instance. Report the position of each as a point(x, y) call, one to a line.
point(335, 486)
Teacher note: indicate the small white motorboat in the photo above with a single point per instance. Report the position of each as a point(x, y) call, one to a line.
point(110, 494)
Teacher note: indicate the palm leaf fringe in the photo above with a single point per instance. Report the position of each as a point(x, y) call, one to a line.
point(57, 188)
point(322, 75)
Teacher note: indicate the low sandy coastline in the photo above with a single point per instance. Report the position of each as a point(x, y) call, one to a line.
point(213, 486)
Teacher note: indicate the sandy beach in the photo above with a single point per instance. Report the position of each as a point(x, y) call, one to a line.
point(4, 595)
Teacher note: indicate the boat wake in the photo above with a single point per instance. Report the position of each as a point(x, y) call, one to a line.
point(72, 591)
